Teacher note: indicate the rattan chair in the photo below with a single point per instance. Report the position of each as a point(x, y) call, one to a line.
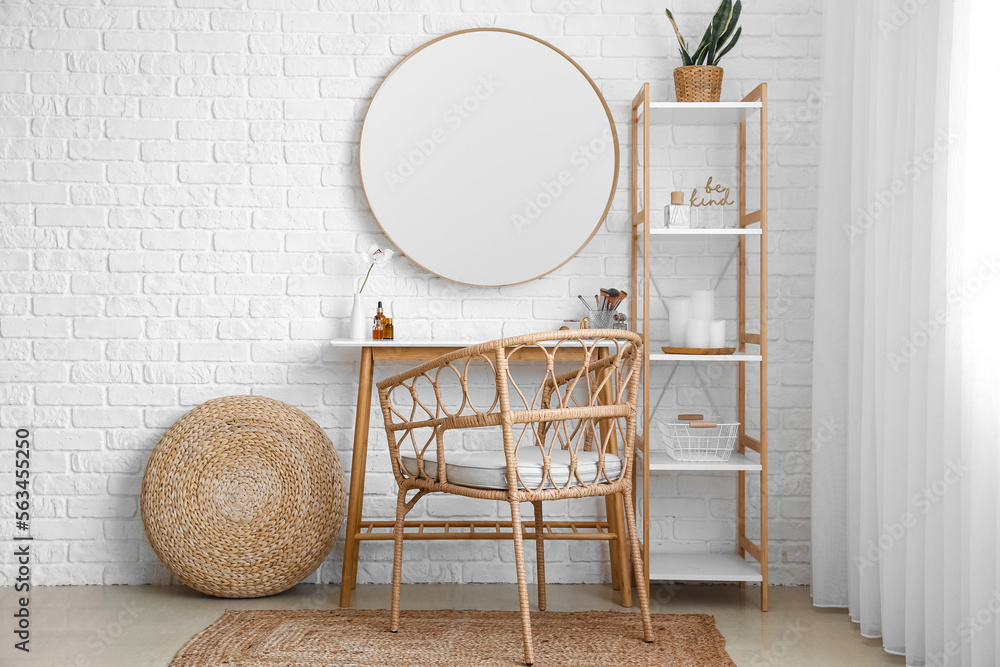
point(558, 435)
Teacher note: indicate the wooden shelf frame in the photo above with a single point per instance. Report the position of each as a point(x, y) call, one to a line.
point(751, 223)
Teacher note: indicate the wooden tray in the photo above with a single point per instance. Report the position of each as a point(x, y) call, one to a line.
point(699, 350)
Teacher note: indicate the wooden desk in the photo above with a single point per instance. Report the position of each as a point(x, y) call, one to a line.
point(360, 529)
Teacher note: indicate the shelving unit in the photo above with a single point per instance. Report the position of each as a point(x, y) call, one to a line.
point(750, 456)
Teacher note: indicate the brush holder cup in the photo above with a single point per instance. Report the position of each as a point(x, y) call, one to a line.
point(601, 319)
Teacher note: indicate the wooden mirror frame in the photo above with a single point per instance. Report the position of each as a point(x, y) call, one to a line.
point(597, 91)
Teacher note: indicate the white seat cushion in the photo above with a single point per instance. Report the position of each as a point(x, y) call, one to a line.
point(488, 469)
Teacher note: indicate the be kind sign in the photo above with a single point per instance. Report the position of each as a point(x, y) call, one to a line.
point(708, 204)
point(710, 195)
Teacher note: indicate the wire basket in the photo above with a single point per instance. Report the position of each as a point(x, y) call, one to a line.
point(698, 440)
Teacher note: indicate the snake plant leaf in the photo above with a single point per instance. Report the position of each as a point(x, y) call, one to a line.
point(677, 31)
point(718, 26)
point(733, 21)
point(702, 50)
point(699, 55)
point(729, 46)
point(685, 56)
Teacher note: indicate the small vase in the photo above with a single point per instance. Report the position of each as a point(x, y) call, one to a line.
point(358, 319)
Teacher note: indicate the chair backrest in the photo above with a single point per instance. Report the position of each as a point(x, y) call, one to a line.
point(582, 398)
point(588, 406)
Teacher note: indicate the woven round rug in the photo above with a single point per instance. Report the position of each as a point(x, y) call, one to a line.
point(243, 497)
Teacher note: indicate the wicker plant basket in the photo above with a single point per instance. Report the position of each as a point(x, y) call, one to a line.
point(698, 83)
point(243, 497)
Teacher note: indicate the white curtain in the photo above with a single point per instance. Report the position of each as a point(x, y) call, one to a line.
point(906, 381)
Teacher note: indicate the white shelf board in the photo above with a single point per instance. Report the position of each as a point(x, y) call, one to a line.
point(748, 231)
point(665, 566)
point(701, 113)
point(739, 356)
point(737, 461)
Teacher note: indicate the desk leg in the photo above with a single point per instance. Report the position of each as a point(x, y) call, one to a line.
point(359, 462)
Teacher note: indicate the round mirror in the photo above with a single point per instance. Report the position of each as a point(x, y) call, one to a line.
point(489, 157)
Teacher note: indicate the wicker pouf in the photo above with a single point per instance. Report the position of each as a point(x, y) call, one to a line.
point(243, 497)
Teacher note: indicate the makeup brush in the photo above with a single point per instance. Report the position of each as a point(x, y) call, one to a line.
point(611, 298)
point(583, 301)
point(621, 298)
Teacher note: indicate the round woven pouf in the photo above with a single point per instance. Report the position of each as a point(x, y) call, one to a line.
point(243, 497)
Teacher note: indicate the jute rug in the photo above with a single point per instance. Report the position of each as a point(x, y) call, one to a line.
point(360, 638)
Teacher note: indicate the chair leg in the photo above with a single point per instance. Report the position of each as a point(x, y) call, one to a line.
point(522, 582)
point(616, 526)
point(540, 554)
point(397, 559)
point(621, 546)
point(640, 573)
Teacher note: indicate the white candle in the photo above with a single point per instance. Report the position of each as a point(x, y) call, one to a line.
point(679, 310)
point(703, 304)
point(717, 334)
point(697, 333)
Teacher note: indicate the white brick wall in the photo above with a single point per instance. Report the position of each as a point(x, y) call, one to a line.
point(180, 217)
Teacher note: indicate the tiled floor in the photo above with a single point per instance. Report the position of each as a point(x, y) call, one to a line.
point(139, 626)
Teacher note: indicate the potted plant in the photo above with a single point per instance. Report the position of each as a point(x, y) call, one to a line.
point(700, 77)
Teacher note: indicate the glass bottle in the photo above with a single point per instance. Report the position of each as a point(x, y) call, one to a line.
point(381, 315)
point(377, 328)
point(388, 333)
point(678, 214)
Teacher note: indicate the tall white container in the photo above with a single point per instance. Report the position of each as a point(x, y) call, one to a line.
point(703, 304)
point(679, 310)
